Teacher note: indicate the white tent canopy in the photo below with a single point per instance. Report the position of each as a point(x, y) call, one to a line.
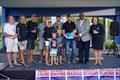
point(60, 3)
point(99, 12)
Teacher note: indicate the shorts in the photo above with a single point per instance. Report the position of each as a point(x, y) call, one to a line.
point(47, 43)
point(53, 52)
point(60, 51)
point(30, 44)
point(22, 45)
point(42, 43)
point(11, 45)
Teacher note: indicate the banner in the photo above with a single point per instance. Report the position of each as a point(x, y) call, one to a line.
point(78, 74)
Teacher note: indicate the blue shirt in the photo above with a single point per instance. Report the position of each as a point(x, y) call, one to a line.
point(54, 43)
point(41, 29)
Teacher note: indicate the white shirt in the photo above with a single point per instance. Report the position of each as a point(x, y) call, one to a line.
point(81, 21)
point(10, 29)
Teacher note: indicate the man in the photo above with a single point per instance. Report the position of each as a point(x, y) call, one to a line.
point(21, 30)
point(42, 41)
point(11, 40)
point(58, 26)
point(32, 36)
point(83, 27)
point(69, 33)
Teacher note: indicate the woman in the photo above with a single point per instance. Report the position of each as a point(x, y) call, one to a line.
point(47, 36)
point(97, 32)
point(41, 28)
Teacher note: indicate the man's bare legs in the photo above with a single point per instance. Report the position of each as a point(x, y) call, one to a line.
point(9, 59)
point(41, 55)
point(47, 56)
point(29, 56)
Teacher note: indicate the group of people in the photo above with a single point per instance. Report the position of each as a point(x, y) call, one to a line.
point(56, 39)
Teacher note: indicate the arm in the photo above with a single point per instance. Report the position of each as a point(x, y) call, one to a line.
point(38, 28)
point(74, 27)
point(91, 30)
point(54, 25)
point(30, 29)
point(7, 35)
point(77, 35)
point(102, 30)
point(63, 29)
point(99, 30)
point(50, 45)
point(44, 34)
point(17, 30)
point(57, 43)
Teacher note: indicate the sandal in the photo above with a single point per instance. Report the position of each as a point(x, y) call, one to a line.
point(16, 64)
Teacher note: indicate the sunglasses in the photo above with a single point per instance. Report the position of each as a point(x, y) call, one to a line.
point(49, 22)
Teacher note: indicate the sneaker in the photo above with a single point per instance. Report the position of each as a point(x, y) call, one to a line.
point(49, 64)
point(11, 66)
point(56, 63)
point(25, 65)
point(61, 62)
point(29, 62)
point(40, 61)
point(16, 64)
point(22, 63)
point(68, 62)
point(73, 62)
point(100, 64)
point(34, 61)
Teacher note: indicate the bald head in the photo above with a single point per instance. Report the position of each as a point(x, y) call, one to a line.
point(82, 16)
point(11, 19)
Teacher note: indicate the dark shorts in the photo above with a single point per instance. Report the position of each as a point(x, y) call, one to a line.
point(60, 51)
point(30, 44)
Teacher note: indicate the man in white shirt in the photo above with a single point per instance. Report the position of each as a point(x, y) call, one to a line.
point(11, 41)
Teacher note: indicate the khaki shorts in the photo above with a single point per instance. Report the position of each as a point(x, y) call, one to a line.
point(42, 43)
point(22, 45)
point(47, 43)
point(11, 45)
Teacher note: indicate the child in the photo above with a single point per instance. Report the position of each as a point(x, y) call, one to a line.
point(60, 51)
point(53, 49)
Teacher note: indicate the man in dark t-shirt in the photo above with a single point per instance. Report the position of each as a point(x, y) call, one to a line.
point(32, 35)
point(21, 30)
point(69, 34)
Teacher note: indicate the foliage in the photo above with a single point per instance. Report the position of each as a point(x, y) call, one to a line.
point(108, 44)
